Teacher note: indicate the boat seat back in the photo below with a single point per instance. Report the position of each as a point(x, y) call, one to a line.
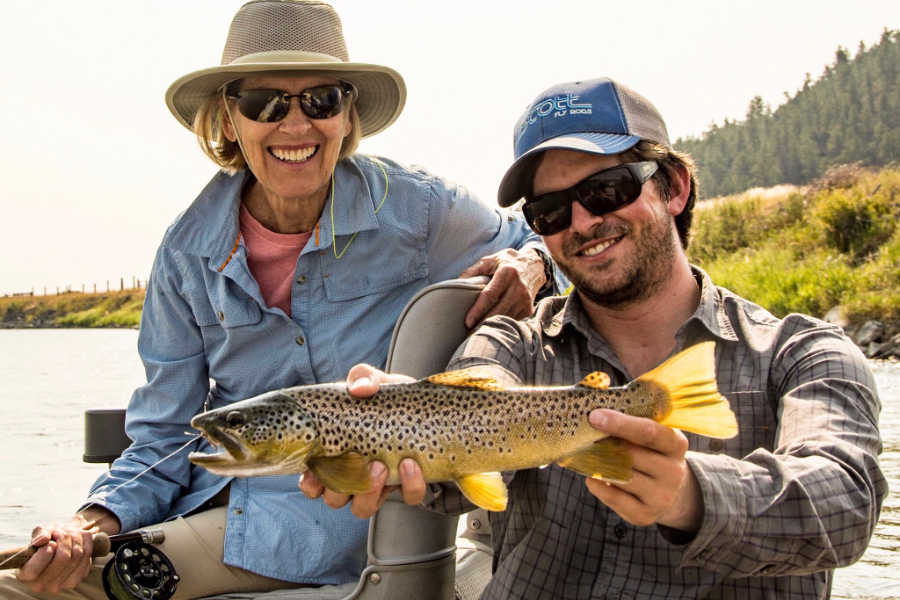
point(410, 550)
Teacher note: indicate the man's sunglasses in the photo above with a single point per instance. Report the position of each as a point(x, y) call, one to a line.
point(600, 193)
point(319, 102)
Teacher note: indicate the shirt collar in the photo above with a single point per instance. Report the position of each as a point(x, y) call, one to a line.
point(211, 225)
point(710, 314)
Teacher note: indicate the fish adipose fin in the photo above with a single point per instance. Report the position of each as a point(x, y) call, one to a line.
point(597, 380)
point(689, 380)
point(605, 459)
point(485, 490)
point(474, 377)
point(347, 473)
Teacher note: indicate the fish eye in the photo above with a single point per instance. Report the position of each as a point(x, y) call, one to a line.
point(234, 419)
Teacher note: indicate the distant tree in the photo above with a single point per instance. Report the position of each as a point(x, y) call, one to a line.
point(851, 113)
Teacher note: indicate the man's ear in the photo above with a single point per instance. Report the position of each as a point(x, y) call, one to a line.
point(680, 189)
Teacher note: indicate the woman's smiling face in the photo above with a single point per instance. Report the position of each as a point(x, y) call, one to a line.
point(292, 158)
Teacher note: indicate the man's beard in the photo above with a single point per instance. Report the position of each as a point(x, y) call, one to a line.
point(639, 275)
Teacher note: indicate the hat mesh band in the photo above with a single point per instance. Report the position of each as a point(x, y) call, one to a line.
point(265, 26)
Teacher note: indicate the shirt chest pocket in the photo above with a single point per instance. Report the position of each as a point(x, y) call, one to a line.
point(755, 413)
point(377, 265)
point(226, 310)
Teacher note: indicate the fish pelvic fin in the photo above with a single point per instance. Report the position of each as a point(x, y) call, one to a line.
point(473, 377)
point(485, 490)
point(347, 473)
point(695, 404)
point(606, 459)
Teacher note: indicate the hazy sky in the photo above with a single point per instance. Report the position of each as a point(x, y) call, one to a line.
point(94, 167)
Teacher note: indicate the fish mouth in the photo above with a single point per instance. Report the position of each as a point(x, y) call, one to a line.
point(235, 459)
point(230, 451)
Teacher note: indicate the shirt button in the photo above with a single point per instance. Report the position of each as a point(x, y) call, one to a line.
point(716, 445)
point(221, 316)
point(301, 279)
point(238, 511)
point(620, 531)
point(300, 341)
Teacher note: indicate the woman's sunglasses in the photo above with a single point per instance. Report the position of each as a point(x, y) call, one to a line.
point(319, 102)
point(600, 193)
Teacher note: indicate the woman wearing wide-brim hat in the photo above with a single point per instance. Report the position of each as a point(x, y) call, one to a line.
point(290, 266)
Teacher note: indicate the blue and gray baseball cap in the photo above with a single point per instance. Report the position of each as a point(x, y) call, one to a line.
point(599, 116)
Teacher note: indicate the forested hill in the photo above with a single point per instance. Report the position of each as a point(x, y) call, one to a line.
point(850, 113)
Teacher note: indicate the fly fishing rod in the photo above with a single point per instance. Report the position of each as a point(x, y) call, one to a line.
point(138, 570)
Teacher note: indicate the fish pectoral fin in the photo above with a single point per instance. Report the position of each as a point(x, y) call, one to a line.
point(474, 377)
point(606, 459)
point(485, 490)
point(597, 380)
point(347, 473)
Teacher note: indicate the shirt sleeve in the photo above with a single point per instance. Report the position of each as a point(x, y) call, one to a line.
point(811, 502)
point(159, 413)
point(462, 229)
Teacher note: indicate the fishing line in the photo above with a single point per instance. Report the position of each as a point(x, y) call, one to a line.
point(165, 458)
point(193, 439)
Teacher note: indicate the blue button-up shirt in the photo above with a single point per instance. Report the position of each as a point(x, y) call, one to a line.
point(206, 331)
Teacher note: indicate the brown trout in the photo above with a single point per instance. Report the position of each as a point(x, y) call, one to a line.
point(460, 426)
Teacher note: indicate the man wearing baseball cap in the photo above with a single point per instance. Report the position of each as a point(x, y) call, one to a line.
point(767, 514)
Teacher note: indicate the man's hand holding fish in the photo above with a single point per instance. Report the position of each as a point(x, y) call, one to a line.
point(363, 381)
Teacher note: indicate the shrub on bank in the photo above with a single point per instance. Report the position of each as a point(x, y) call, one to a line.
point(834, 243)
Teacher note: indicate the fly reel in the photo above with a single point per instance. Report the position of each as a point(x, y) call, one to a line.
point(139, 571)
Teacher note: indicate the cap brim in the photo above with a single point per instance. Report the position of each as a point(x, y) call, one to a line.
point(382, 92)
point(516, 181)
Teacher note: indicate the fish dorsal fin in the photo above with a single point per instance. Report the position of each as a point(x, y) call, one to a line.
point(597, 380)
point(473, 377)
point(485, 490)
point(606, 459)
point(347, 473)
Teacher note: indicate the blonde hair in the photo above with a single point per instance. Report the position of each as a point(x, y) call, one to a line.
point(669, 161)
point(209, 127)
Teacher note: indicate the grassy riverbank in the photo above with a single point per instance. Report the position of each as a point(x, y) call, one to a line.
point(835, 243)
point(73, 309)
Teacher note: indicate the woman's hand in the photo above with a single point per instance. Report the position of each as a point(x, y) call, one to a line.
point(663, 488)
point(63, 556)
point(516, 278)
point(362, 382)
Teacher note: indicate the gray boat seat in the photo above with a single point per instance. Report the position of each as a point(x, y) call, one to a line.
point(411, 551)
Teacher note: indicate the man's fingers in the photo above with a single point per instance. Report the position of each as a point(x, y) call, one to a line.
point(362, 380)
point(366, 505)
point(310, 485)
point(484, 266)
point(32, 569)
point(335, 499)
point(639, 431)
point(412, 482)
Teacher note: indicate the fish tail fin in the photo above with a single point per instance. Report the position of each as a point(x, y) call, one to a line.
point(688, 379)
point(485, 490)
point(605, 459)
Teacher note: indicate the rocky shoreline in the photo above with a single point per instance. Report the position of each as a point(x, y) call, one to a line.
point(875, 338)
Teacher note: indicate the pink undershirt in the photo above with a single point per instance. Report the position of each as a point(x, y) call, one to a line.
point(272, 258)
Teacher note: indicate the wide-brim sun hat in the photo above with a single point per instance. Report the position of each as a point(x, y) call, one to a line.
point(597, 116)
point(271, 36)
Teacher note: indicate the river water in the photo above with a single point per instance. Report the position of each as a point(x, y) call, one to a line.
point(49, 377)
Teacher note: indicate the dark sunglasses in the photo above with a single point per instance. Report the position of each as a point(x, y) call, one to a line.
point(269, 106)
point(600, 193)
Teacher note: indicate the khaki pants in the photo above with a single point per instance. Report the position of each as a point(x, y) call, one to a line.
point(194, 545)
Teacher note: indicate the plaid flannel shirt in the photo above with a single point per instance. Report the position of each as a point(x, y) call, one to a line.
point(794, 495)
